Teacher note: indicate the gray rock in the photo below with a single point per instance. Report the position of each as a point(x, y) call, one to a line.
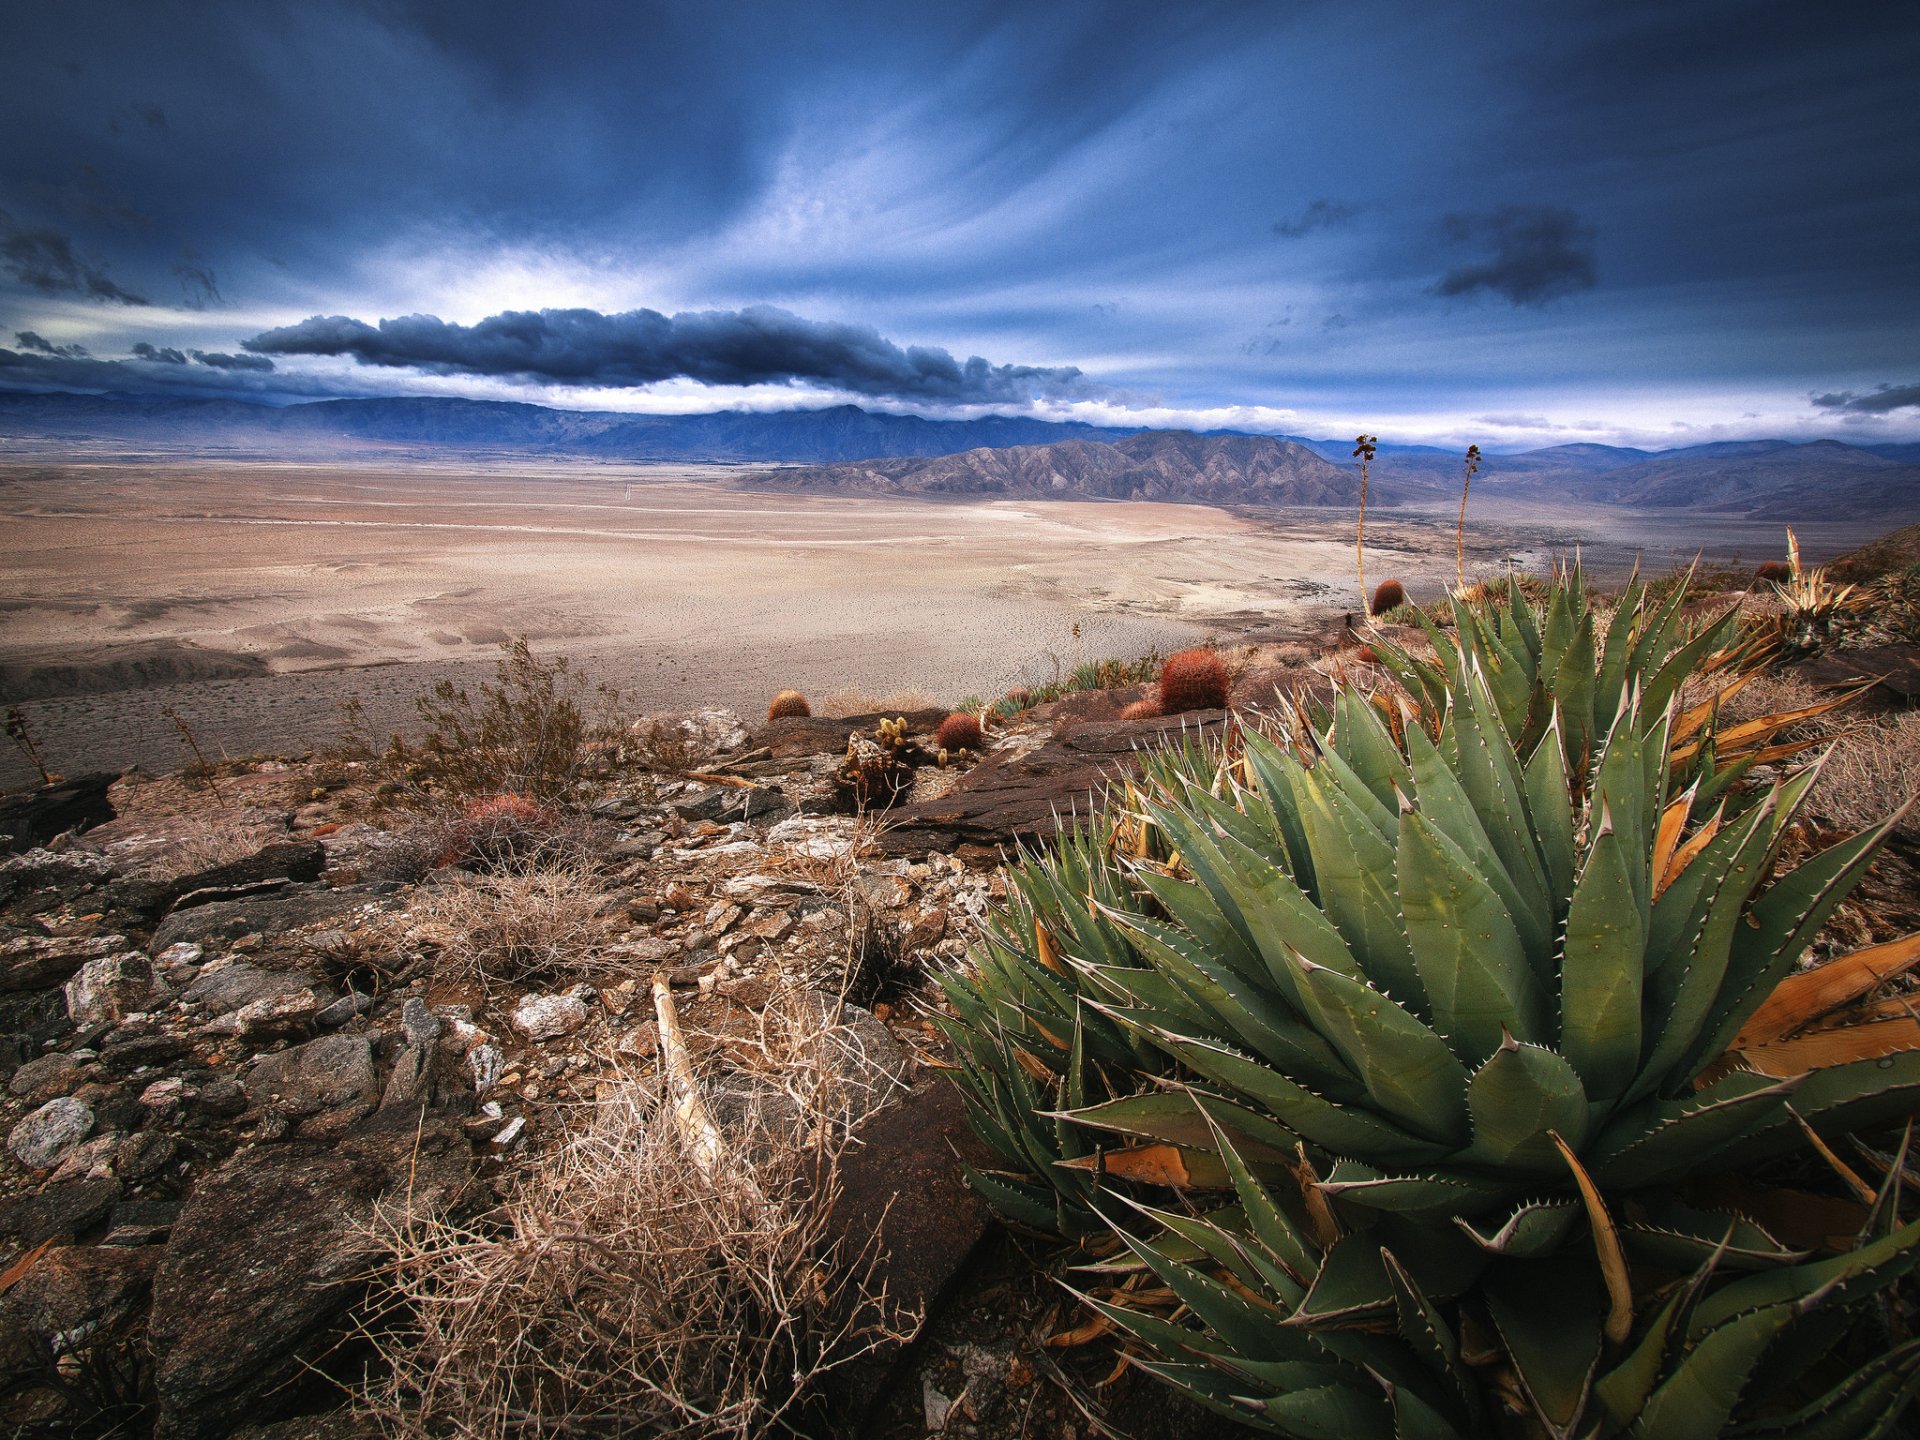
point(44, 1138)
point(221, 988)
point(726, 802)
point(288, 1013)
point(344, 1009)
point(547, 1017)
point(330, 1073)
point(421, 1025)
point(268, 1256)
point(286, 907)
point(111, 987)
point(33, 962)
point(485, 1062)
point(72, 1295)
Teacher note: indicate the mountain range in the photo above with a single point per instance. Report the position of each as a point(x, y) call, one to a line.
point(846, 447)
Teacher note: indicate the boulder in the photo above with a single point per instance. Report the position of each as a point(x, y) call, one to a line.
point(729, 802)
point(268, 1256)
point(331, 1073)
point(44, 1138)
point(273, 912)
point(221, 988)
point(110, 987)
point(82, 1298)
point(59, 1212)
point(547, 1017)
point(33, 962)
point(35, 817)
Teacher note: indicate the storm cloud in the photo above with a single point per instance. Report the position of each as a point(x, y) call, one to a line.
point(43, 259)
point(760, 345)
point(1320, 215)
point(159, 354)
point(220, 360)
point(1881, 400)
point(30, 340)
point(1534, 253)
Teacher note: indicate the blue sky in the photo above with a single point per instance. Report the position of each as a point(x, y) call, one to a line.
point(1652, 223)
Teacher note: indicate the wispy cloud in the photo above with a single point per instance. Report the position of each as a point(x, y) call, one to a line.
point(1881, 400)
point(44, 259)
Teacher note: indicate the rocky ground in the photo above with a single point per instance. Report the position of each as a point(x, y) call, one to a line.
point(243, 1018)
point(243, 1014)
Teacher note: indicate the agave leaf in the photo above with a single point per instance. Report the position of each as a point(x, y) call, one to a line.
point(1362, 741)
point(1821, 1049)
point(1324, 1412)
point(1536, 1228)
point(1248, 1014)
point(1515, 1099)
point(1444, 801)
point(1206, 909)
point(1275, 773)
point(1677, 1236)
point(1550, 803)
point(1163, 1335)
point(1415, 1419)
point(1344, 1129)
point(1780, 925)
point(1803, 998)
point(1478, 980)
point(1572, 687)
point(1018, 1201)
point(1600, 974)
point(1844, 1279)
point(1616, 653)
point(1688, 943)
point(1432, 1338)
point(1271, 1228)
point(1250, 1326)
point(1863, 1405)
point(1407, 1069)
point(1548, 1316)
point(1490, 774)
point(1177, 1117)
point(1676, 1137)
point(1441, 1194)
point(1352, 1288)
point(1856, 1096)
point(1354, 863)
point(1623, 1390)
point(1699, 1396)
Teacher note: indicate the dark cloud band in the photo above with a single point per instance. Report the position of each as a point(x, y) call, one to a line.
point(43, 259)
point(756, 346)
point(1881, 400)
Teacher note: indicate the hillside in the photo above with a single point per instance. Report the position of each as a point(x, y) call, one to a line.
point(1170, 465)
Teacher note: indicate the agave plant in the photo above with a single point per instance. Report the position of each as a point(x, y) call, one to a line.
point(1459, 1022)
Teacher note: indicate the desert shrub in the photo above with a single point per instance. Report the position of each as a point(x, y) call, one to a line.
point(1387, 595)
point(1193, 680)
point(524, 733)
point(494, 832)
point(1145, 708)
point(959, 731)
point(519, 924)
point(628, 1286)
point(788, 705)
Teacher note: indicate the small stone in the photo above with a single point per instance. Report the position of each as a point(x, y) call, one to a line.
point(46, 1136)
point(181, 952)
point(163, 1097)
point(546, 1017)
point(342, 1010)
point(511, 1133)
point(421, 1025)
point(92, 1158)
point(143, 1155)
point(484, 1062)
point(110, 987)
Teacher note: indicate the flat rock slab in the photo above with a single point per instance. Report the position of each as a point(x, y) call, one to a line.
point(287, 907)
point(1895, 669)
point(1025, 798)
point(267, 1256)
point(804, 735)
point(902, 1190)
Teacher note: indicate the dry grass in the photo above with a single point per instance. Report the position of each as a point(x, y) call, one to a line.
point(1872, 770)
point(206, 843)
point(490, 838)
point(519, 924)
point(622, 1290)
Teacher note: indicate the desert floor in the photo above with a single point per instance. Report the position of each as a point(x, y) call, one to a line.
point(250, 598)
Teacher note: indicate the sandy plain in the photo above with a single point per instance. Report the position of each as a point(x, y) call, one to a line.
point(251, 597)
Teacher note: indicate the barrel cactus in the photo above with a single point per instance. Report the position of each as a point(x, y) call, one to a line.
point(788, 705)
point(1193, 680)
point(1448, 1039)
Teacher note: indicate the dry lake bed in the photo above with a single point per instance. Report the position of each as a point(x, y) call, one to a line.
point(251, 597)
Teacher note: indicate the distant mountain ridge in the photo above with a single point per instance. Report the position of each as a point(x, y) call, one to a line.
point(848, 447)
point(1152, 465)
